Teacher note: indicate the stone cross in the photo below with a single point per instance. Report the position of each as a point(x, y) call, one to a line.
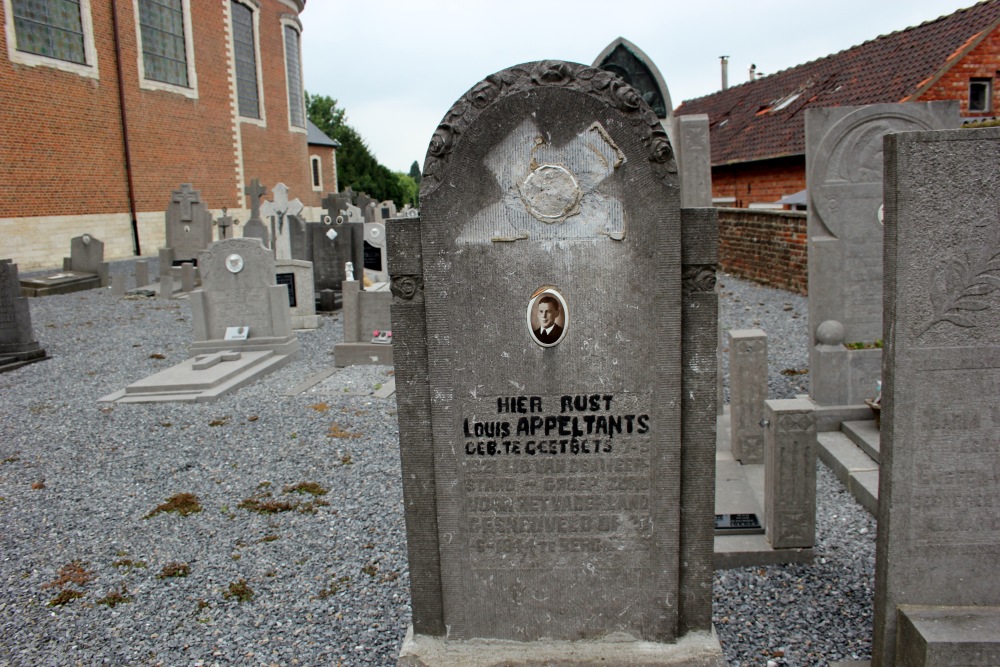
point(279, 209)
point(224, 223)
point(255, 191)
point(186, 196)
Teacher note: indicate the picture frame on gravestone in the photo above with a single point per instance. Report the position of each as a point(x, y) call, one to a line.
point(548, 317)
point(237, 333)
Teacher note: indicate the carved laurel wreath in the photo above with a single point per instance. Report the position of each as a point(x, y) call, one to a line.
point(553, 74)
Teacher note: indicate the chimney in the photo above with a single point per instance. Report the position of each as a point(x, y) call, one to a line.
point(753, 71)
point(724, 61)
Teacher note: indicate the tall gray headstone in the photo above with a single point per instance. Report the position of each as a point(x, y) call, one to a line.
point(747, 393)
point(335, 242)
point(86, 254)
point(844, 174)
point(283, 213)
point(189, 225)
point(239, 290)
point(938, 532)
point(17, 340)
point(557, 437)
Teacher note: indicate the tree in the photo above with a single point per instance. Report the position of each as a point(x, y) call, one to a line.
point(357, 168)
point(415, 172)
point(411, 191)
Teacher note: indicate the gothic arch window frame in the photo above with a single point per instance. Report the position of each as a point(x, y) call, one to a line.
point(148, 83)
point(88, 68)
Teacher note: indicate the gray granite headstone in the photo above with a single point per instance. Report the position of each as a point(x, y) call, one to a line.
point(86, 254)
point(301, 238)
point(189, 225)
point(17, 340)
point(239, 290)
point(938, 529)
point(559, 479)
point(844, 158)
point(374, 259)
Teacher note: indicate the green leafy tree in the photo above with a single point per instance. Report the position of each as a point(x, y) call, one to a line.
point(411, 190)
point(415, 172)
point(357, 168)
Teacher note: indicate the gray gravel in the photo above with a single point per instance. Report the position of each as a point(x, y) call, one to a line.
point(329, 582)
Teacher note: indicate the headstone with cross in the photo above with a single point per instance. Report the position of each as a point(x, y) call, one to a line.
point(224, 223)
point(278, 210)
point(255, 227)
point(188, 225)
point(335, 241)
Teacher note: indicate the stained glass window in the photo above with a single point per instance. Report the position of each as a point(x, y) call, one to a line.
point(246, 61)
point(51, 28)
point(296, 113)
point(164, 57)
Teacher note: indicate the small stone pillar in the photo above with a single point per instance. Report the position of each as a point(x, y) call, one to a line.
point(118, 284)
point(166, 290)
point(351, 307)
point(747, 393)
point(187, 277)
point(790, 473)
point(104, 273)
point(141, 273)
point(166, 256)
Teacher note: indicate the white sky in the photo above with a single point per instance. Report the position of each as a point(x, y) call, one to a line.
point(398, 66)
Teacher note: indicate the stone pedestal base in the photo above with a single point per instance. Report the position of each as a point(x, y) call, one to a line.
point(694, 650)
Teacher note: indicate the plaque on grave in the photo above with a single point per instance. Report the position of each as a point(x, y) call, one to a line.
point(738, 524)
point(556, 492)
point(288, 280)
point(373, 257)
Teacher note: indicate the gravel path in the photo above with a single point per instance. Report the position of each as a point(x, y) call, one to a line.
point(266, 572)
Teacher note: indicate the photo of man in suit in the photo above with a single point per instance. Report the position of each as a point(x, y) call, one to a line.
point(548, 332)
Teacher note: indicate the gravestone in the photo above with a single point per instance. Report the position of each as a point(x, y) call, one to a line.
point(790, 473)
point(84, 269)
point(239, 290)
point(17, 340)
point(255, 227)
point(366, 205)
point(297, 277)
point(188, 226)
point(301, 238)
point(557, 437)
point(386, 210)
point(844, 158)
point(366, 317)
point(374, 260)
point(747, 393)
point(938, 532)
point(224, 223)
point(335, 242)
point(283, 214)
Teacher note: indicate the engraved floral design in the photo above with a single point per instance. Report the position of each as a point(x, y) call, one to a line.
point(698, 278)
point(961, 285)
point(442, 141)
point(548, 73)
point(406, 287)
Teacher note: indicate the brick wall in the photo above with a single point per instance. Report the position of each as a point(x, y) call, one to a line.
point(768, 247)
point(981, 62)
point(762, 181)
point(62, 165)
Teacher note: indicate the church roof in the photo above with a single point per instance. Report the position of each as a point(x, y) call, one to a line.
point(765, 118)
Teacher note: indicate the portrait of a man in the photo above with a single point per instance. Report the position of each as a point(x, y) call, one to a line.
point(547, 317)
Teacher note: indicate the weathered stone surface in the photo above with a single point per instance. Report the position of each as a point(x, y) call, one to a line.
point(931, 636)
point(938, 536)
point(86, 254)
point(844, 154)
point(188, 225)
point(297, 277)
point(17, 340)
point(530, 515)
point(790, 473)
point(747, 393)
point(239, 290)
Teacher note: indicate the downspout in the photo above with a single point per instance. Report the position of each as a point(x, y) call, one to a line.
point(124, 119)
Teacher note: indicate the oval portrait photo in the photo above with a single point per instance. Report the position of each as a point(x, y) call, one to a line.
point(548, 316)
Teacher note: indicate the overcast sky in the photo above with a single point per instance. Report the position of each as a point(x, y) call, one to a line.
point(397, 67)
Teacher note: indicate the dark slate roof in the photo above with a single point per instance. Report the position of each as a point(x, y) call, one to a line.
point(749, 122)
point(316, 136)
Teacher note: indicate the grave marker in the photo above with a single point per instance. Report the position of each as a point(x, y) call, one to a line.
point(558, 494)
point(844, 158)
point(189, 226)
point(255, 227)
point(84, 269)
point(17, 340)
point(283, 213)
point(224, 223)
point(938, 535)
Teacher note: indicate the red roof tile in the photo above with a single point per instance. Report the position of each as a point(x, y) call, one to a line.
point(748, 122)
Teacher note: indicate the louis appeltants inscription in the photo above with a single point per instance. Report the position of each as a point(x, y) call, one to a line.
point(582, 424)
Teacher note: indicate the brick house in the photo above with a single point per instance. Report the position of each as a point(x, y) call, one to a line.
point(757, 129)
point(322, 161)
point(111, 105)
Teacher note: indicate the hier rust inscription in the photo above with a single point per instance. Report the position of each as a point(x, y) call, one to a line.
point(556, 479)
